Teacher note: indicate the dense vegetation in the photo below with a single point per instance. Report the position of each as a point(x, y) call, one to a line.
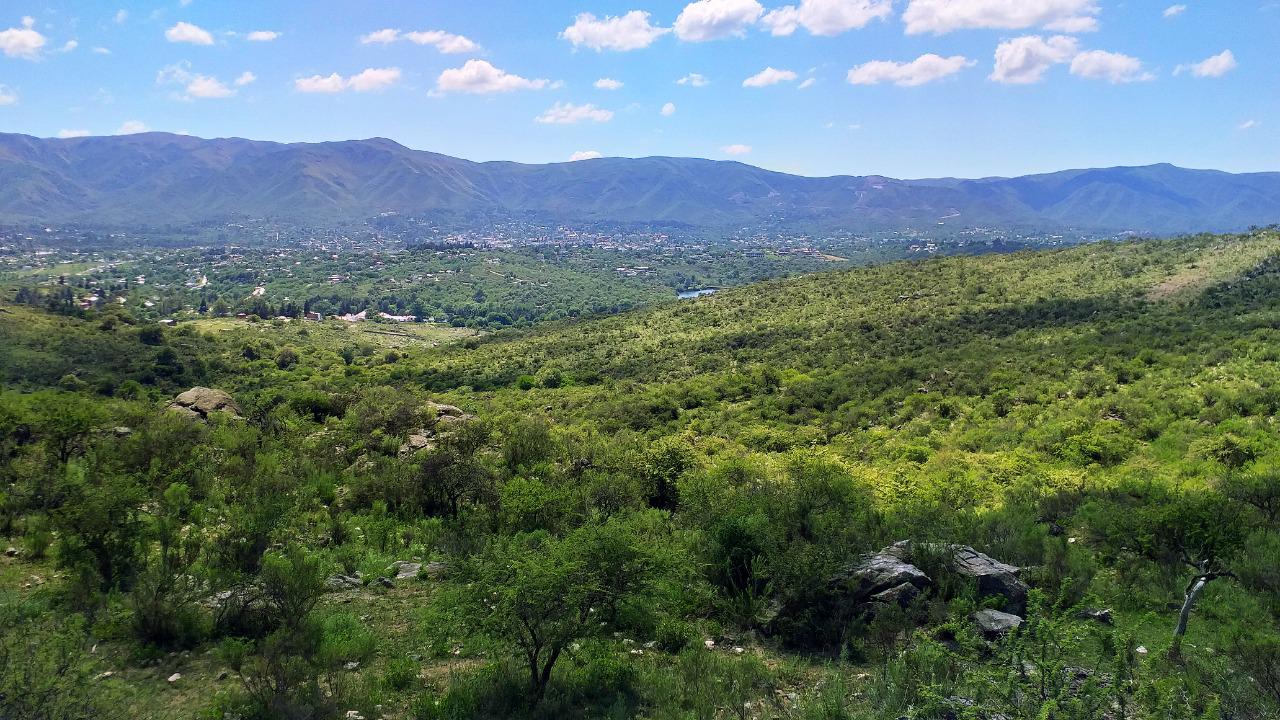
point(646, 515)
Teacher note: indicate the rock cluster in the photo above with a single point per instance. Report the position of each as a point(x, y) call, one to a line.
point(438, 420)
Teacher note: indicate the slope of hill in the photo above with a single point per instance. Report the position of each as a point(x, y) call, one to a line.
point(156, 179)
point(676, 512)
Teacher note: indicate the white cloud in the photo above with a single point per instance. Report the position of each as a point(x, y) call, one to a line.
point(668, 109)
point(334, 83)
point(445, 42)
point(714, 19)
point(121, 16)
point(608, 84)
point(1216, 66)
point(1174, 10)
point(70, 45)
point(195, 86)
point(1249, 124)
point(808, 83)
point(132, 127)
point(7, 96)
point(374, 79)
point(1115, 68)
point(1024, 60)
point(693, 80)
point(385, 36)
point(735, 149)
point(631, 31)
point(481, 77)
point(924, 69)
point(23, 42)
point(570, 114)
point(366, 80)
point(185, 32)
point(769, 76)
point(826, 17)
point(262, 36)
point(943, 16)
point(246, 78)
point(66, 134)
point(101, 51)
point(585, 155)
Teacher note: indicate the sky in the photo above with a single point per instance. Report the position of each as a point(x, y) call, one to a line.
point(903, 88)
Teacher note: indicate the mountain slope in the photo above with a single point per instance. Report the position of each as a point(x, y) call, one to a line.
point(158, 178)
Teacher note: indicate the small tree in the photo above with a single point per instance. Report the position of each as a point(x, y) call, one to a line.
point(542, 594)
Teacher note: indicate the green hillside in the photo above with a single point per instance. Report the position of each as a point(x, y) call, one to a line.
point(687, 511)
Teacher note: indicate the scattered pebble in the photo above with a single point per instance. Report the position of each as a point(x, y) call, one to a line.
point(175, 678)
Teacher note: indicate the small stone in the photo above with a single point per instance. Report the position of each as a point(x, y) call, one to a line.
point(353, 715)
point(738, 650)
point(709, 643)
point(352, 665)
point(993, 623)
point(105, 675)
point(386, 582)
point(11, 552)
point(1141, 650)
point(223, 675)
point(175, 678)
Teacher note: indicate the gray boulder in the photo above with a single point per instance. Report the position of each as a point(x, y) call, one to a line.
point(993, 577)
point(338, 583)
point(199, 403)
point(994, 624)
point(405, 570)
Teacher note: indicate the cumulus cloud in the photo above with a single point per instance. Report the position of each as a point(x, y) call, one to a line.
point(714, 19)
point(102, 51)
point(132, 127)
point(67, 134)
point(1113, 67)
point(1024, 60)
point(631, 31)
point(245, 78)
point(924, 69)
point(367, 80)
point(826, 17)
point(570, 114)
point(70, 45)
point(262, 36)
point(185, 32)
point(1174, 10)
point(7, 96)
point(334, 83)
point(1216, 66)
point(585, 155)
point(383, 37)
point(1249, 124)
point(668, 109)
point(735, 149)
point(608, 84)
point(195, 86)
point(374, 79)
point(445, 42)
point(22, 42)
point(769, 76)
point(693, 80)
point(480, 77)
point(944, 16)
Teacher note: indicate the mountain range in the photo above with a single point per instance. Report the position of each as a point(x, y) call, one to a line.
point(157, 179)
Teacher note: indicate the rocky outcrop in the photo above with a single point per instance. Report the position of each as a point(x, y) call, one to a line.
point(993, 577)
point(199, 403)
point(437, 420)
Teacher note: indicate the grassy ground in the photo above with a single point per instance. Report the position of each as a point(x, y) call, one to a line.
point(332, 334)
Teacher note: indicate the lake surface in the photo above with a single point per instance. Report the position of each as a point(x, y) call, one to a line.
point(690, 294)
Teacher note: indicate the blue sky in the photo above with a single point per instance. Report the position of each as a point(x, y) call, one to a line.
point(906, 88)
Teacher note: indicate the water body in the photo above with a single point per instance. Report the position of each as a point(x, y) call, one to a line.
point(690, 294)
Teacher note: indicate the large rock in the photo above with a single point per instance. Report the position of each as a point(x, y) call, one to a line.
point(994, 624)
point(418, 440)
point(201, 402)
point(993, 577)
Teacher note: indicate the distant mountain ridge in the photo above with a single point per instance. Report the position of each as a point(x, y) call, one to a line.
point(154, 179)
